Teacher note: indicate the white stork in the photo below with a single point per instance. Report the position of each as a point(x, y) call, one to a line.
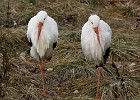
point(96, 41)
point(42, 33)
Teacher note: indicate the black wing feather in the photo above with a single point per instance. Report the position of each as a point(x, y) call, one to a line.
point(54, 45)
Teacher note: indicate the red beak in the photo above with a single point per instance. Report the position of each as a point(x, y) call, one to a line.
point(96, 30)
point(97, 33)
point(40, 24)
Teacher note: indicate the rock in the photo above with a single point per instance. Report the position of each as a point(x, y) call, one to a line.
point(50, 69)
point(132, 64)
point(14, 23)
point(76, 91)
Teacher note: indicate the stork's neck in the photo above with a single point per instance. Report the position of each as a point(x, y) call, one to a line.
point(96, 29)
point(40, 24)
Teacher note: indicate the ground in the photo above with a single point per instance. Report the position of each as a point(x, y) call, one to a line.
point(69, 76)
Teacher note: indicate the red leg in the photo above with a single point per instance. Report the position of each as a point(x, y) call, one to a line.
point(42, 74)
point(99, 79)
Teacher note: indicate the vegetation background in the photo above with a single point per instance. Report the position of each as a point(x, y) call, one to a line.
point(69, 76)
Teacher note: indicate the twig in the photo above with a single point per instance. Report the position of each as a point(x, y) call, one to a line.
point(13, 64)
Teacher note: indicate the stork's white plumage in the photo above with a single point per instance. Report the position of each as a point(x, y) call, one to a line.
point(96, 41)
point(42, 33)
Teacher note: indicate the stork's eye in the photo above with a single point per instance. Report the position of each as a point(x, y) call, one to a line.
point(91, 22)
point(44, 18)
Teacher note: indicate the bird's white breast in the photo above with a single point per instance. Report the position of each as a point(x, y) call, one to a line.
point(90, 45)
point(49, 34)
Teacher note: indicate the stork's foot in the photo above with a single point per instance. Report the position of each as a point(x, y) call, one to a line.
point(97, 96)
point(44, 94)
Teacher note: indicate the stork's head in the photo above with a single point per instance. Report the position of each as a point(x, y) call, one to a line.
point(94, 23)
point(41, 16)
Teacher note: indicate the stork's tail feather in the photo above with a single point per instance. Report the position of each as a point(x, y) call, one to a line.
point(106, 55)
point(54, 45)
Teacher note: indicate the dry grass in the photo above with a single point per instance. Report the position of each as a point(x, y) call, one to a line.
point(126, 47)
point(12, 39)
point(130, 8)
point(73, 77)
